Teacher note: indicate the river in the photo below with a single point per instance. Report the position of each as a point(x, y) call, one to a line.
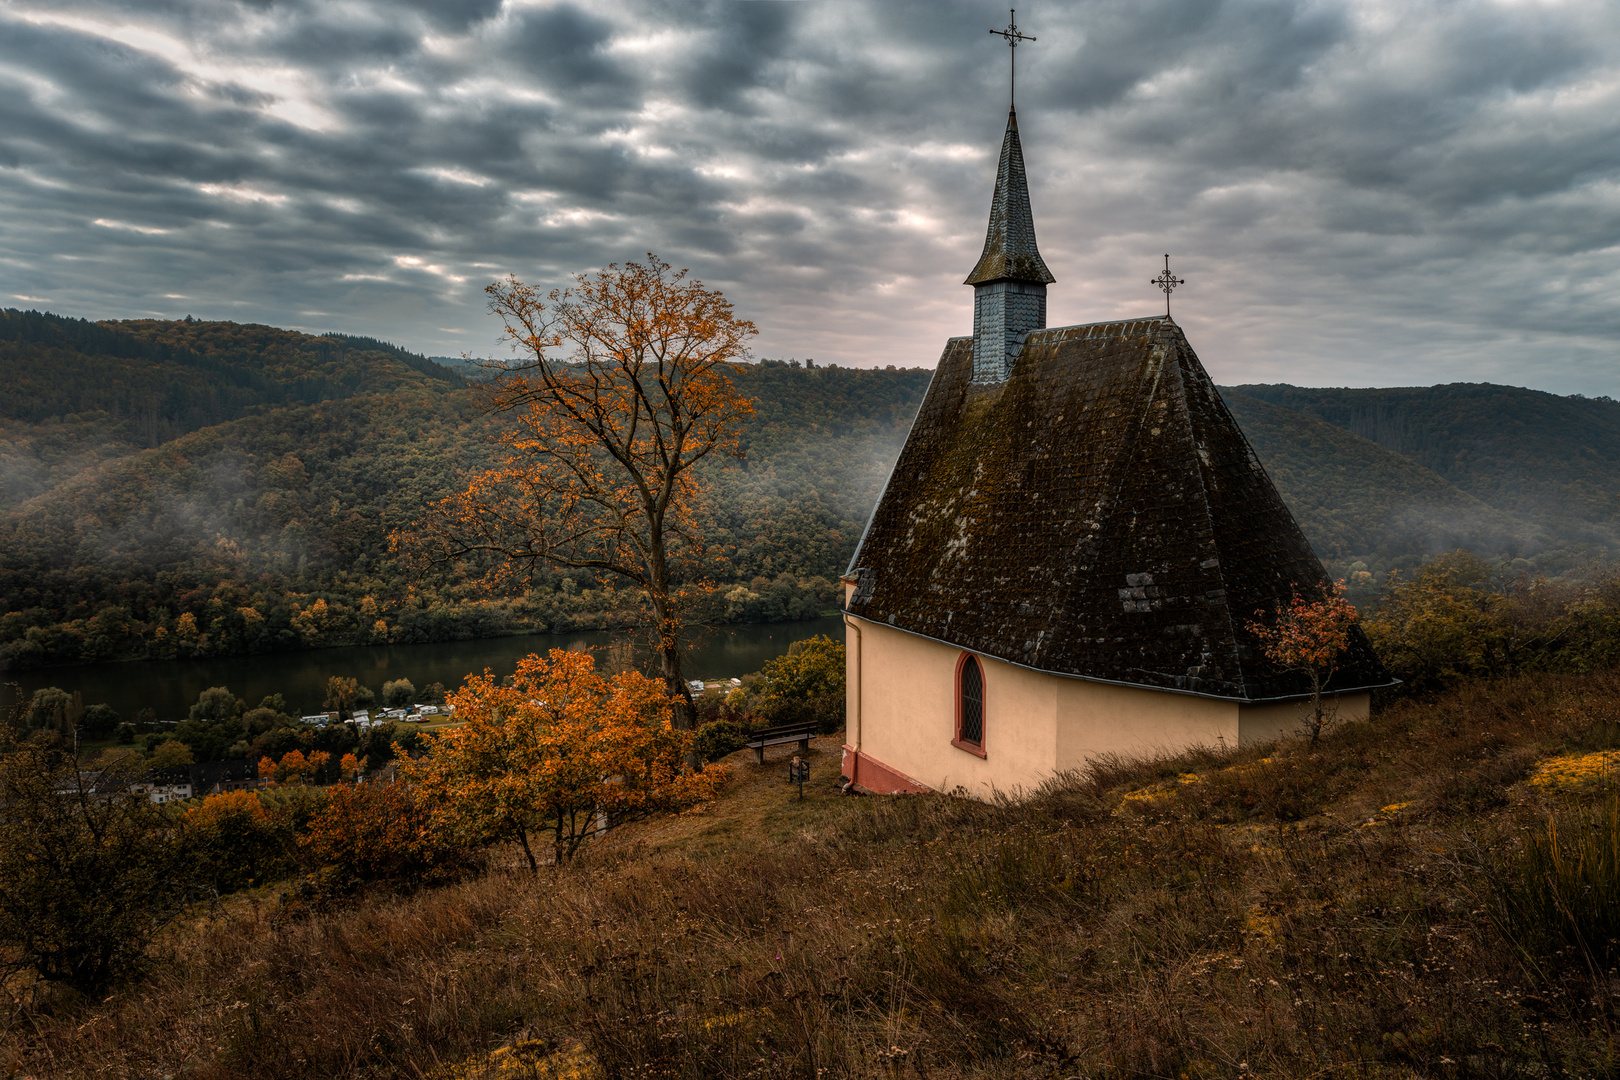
point(169, 687)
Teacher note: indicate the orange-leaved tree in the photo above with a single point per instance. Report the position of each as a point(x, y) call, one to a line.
point(292, 768)
point(380, 832)
point(558, 749)
point(1309, 636)
point(232, 841)
point(618, 391)
point(340, 695)
point(351, 767)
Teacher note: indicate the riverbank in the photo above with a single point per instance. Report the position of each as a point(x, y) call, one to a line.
point(170, 687)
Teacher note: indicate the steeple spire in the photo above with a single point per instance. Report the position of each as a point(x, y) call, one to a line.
point(1009, 244)
point(1010, 279)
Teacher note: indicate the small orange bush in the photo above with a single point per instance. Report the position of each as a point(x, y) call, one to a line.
point(558, 749)
point(379, 832)
point(233, 841)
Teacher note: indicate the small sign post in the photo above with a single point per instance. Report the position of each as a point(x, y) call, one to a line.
point(798, 773)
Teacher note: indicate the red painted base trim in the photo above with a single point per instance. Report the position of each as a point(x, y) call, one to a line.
point(876, 778)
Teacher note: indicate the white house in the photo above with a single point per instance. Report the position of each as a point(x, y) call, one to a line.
point(162, 791)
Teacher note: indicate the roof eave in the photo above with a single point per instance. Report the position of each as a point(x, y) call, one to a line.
point(1338, 692)
point(986, 275)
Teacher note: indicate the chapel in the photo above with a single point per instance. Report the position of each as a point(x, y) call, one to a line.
point(1068, 553)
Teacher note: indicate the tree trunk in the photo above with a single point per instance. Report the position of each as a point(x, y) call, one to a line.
point(523, 838)
point(668, 630)
point(669, 659)
point(1318, 717)
point(685, 713)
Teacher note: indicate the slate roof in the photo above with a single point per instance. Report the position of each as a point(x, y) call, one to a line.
point(1099, 514)
point(1010, 253)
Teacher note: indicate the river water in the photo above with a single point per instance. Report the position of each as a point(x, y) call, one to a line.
point(169, 687)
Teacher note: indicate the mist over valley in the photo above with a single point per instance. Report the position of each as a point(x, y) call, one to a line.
point(193, 489)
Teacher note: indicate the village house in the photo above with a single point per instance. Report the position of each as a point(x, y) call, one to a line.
point(1068, 553)
point(162, 791)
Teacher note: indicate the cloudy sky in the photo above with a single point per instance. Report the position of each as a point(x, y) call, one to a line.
point(1378, 193)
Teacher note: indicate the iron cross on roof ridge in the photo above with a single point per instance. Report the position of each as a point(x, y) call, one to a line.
point(1013, 38)
point(1167, 281)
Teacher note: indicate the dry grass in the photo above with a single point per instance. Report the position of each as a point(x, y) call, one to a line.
point(1284, 914)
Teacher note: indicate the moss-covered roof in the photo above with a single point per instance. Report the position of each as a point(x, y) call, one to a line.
point(1099, 514)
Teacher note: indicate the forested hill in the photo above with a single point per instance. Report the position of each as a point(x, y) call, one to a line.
point(269, 530)
point(75, 393)
point(1548, 459)
point(1361, 503)
point(173, 377)
point(175, 488)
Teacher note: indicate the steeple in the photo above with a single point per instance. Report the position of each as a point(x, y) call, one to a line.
point(1009, 282)
point(1009, 243)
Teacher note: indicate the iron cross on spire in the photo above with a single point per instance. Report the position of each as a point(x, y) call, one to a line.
point(1013, 38)
point(1167, 281)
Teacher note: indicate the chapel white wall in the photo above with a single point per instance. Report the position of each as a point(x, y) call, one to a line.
point(902, 712)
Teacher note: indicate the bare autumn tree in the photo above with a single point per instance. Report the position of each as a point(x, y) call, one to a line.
point(618, 391)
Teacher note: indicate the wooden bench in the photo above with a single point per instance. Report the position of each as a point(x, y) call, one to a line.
point(776, 736)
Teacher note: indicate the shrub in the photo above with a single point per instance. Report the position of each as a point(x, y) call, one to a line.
point(216, 704)
point(260, 720)
point(233, 842)
point(87, 869)
point(380, 833)
point(1455, 620)
point(718, 738)
point(398, 693)
point(559, 751)
point(737, 706)
point(99, 721)
point(170, 754)
point(54, 709)
point(377, 744)
point(807, 685)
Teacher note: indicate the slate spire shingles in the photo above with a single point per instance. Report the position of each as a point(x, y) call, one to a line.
point(1097, 514)
point(1010, 253)
point(1009, 282)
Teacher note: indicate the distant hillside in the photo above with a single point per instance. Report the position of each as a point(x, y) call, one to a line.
point(74, 393)
point(175, 488)
point(457, 363)
point(1541, 457)
point(269, 531)
point(1364, 507)
point(173, 377)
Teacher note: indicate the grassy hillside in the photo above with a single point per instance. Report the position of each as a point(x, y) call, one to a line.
point(1544, 458)
point(1379, 908)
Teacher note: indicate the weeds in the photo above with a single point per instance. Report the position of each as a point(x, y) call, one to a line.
point(1557, 897)
point(1285, 915)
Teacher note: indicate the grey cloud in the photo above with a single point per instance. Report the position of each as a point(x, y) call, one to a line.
point(565, 49)
point(1430, 188)
point(455, 14)
point(744, 43)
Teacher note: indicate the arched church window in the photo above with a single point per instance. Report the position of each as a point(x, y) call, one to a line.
point(970, 705)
